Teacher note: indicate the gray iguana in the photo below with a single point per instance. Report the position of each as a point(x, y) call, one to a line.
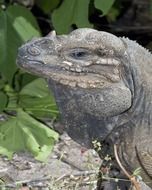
point(103, 87)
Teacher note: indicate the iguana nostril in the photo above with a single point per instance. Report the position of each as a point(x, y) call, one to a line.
point(33, 51)
point(21, 52)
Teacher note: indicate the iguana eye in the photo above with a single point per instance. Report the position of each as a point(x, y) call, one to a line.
point(79, 54)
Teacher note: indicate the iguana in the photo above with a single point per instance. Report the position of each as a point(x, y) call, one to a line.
point(103, 88)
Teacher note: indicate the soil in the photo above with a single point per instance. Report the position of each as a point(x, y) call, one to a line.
point(70, 166)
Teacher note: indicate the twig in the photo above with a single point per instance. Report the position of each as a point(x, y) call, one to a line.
point(38, 181)
point(132, 178)
point(80, 173)
point(67, 161)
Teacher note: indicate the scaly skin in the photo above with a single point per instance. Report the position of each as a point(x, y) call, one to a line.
point(102, 85)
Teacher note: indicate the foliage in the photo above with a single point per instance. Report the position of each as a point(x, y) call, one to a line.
point(17, 26)
point(77, 14)
point(22, 132)
point(47, 6)
point(37, 100)
point(104, 5)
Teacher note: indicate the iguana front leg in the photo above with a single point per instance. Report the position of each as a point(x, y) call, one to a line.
point(144, 155)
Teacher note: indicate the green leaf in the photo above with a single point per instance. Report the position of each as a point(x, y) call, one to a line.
point(112, 14)
point(23, 22)
point(2, 83)
point(12, 97)
point(26, 78)
point(104, 5)
point(37, 88)
point(3, 100)
point(9, 42)
point(47, 5)
point(150, 7)
point(36, 99)
point(17, 25)
point(25, 133)
point(42, 107)
point(137, 172)
point(71, 12)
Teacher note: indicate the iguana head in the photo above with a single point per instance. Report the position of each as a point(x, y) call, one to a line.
point(87, 62)
point(85, 58)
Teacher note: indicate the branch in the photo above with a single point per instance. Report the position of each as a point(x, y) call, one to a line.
point(132, 178)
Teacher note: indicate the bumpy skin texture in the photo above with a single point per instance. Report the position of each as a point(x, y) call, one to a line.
point(102, 86)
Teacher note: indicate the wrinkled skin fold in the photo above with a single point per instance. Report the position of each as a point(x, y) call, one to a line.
point(102, 86)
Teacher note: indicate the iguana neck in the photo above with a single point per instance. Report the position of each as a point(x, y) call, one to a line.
point(140, 113)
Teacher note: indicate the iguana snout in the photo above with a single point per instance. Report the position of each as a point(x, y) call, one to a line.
point(33, 55)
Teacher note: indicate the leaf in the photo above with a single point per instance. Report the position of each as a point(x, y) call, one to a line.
point(3, 100)
point(25, 133)
point(20, 23)
point(17, 26)
point(47, 5)
point(71, 12)
point(39, 107)
point(37, 88)
point(26, 78)
point(12, 97)
point(36, 99)
point(104, 5)
point(137, 171)
point(9, 42)
point(2, 83)
point(21, 79)
point(112, 14)
point(23, 22)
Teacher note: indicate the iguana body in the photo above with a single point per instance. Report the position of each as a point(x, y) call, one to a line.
point(102, 86)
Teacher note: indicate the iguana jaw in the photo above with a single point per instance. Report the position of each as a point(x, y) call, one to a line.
point(70, 76)
point(85, 79)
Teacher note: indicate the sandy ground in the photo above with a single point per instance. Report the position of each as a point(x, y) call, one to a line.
point(70, 166)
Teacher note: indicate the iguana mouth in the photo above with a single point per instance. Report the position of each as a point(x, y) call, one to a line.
point(87, 77)
point(81, 80)
point(64, 76)
point(91, 76)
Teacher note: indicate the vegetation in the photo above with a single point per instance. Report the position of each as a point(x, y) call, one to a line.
point(24, 99)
